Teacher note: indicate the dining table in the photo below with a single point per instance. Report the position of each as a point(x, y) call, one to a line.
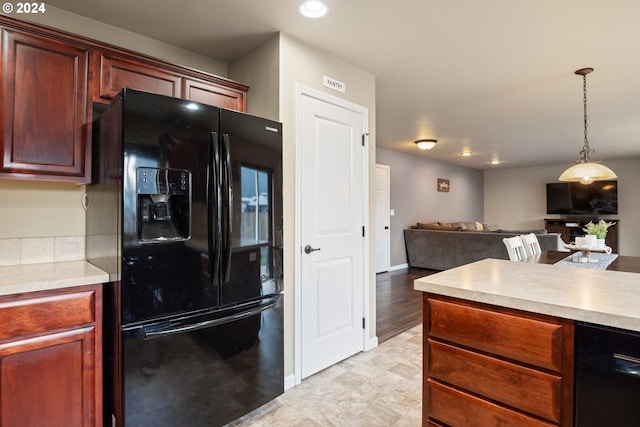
point(621, 263)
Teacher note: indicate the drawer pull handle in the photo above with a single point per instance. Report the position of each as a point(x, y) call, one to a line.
point(627, 365)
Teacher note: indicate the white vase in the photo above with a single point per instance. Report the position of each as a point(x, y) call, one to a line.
point(590, 240)
point(600, 244)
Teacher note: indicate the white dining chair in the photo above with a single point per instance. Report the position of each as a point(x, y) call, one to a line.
point(515, 248)
point(531, 244)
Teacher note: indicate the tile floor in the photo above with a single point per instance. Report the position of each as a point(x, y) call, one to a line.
point(381, 387)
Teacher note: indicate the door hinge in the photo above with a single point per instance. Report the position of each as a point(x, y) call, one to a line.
point(364, 135)
point(363, 323)
point(363, 231)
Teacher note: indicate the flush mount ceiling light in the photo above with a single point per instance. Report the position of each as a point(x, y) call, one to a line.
point(586, 170)
point(426, 144)
point(313, 9)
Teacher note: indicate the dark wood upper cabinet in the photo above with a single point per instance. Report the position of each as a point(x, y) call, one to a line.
point(116, 73)
point(213, 94)
point(44, 108)
point(51, 78)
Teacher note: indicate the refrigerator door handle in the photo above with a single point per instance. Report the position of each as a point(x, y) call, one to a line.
point(215, 237)
point(178, 329)
point(228, 205)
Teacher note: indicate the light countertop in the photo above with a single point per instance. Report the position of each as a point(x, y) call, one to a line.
point(17, 279)
point(610, 298)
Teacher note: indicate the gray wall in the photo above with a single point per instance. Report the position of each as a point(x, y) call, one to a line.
point(414, 195)
point(260, 70)
point(80, 25)
point(516, 199)
point(272, 71)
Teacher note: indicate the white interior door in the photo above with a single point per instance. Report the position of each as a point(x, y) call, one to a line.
point(382, 218)
point(332, 218)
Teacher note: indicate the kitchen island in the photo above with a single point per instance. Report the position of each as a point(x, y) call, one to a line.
point(499, 339)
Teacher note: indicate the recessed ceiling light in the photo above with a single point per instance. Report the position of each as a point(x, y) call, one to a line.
point(495, 162)
point(313, 9)
point(466, 153)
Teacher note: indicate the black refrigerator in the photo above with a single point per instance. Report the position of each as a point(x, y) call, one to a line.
point(185, 214)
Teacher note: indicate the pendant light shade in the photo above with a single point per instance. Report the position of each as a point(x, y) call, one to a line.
point(586, 170)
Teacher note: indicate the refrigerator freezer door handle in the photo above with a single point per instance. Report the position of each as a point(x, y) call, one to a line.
point(215, 239)
point(228, 179)
point(265, 305)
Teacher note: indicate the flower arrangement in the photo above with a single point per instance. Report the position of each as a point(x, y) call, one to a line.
point(599, 229)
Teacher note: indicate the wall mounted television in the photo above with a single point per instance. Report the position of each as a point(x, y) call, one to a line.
point(573, 198)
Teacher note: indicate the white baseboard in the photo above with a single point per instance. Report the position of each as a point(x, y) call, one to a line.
point(371, 343)
point(398, 267)
point(289, 382)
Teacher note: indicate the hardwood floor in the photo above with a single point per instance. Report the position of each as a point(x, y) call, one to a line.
point(398, 305)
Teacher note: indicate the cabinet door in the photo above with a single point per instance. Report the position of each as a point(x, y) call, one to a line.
point(49, 377)
point(51, 358)
point(116, 73)
point(44, 109)
point(560, 229)
point(211, 94)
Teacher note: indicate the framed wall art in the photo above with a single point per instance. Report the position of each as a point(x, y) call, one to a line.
point(443, 185)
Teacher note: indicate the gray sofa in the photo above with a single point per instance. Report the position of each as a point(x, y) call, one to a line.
point(441, 250)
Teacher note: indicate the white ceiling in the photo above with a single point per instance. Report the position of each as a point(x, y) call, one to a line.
point(494, 76)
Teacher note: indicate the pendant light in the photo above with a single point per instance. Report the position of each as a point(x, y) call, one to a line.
point(586, 170)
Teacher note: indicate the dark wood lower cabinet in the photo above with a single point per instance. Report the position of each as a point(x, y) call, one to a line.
point(488, 366)
point(51, 358)
point(569, 229)
point(458, 408)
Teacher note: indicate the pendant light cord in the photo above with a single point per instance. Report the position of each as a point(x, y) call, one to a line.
point(586, 151)
point(584, 102)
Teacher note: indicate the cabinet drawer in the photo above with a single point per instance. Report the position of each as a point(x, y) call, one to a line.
point(523, 339)
point(25, 316)
point(532, 391)
point(458, 409)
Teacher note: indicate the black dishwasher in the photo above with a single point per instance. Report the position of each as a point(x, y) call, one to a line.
point(607, 377)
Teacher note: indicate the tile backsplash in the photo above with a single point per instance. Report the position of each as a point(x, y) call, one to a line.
point(36, 250)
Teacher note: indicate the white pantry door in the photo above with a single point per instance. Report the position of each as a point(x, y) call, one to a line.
point(382, 218)
point(332, 189)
